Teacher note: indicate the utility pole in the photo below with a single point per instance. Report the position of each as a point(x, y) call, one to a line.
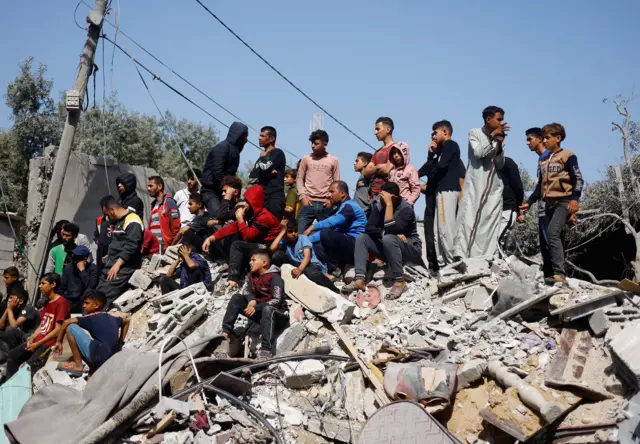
point(74, 106)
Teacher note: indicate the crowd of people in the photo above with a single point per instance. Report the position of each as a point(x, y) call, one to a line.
point(306, 217)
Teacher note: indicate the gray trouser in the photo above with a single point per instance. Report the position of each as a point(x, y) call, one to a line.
point(557, 215)
point(445, 224)
point(390, 248)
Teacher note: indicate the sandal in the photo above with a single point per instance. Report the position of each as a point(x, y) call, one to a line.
point(64, 367)
point(396, 291)
point(263, 355)
point(350, 288)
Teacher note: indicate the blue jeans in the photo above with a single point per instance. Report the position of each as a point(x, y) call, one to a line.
point(307, 214)
point(83, 341)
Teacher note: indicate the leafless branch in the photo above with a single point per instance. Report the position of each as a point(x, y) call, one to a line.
point(591, 276)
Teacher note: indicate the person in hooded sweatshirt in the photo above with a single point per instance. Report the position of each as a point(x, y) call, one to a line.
point(129, 199)
point(405, 175)
point(256, 227)
point(223, 160)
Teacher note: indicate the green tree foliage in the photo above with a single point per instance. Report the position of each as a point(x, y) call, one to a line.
point(526, 233)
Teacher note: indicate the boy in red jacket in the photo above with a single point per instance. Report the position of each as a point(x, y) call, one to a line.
point(255, 225)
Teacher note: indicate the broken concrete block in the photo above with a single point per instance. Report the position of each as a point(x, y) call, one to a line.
point(354, 402)
point(478, 299)
point(624, 348)
point(612, 333)
point(599, 323)
point(183, 437)
point(470, 372)
point(416, 340)
point(168, 302)
point(314, 326)
point(290, 338)
point(343, 312)
point(334, 428)
point(139, 279)
point(581, 309)
point(171, 252)
point(154, 263)
point(370, 406)
point(129, 300)
point(167, 405)
point(301, 374)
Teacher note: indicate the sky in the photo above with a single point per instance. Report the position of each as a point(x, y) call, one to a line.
point(416, 61)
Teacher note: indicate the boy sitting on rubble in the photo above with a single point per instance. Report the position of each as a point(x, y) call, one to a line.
point(265, 294)
point(37, 346)
point(190, 266)
point(297, 250)
point(108, 331)
point(19, 319)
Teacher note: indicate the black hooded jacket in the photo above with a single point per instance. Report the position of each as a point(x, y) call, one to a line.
point(129, 199)
point(224, 158)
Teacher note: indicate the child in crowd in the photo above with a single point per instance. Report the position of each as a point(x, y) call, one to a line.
point(292, 204)
point(363, 187)
point(19, 319)
point(297, 250)
point(198, 225)
point(191, 266)
point(36, 347)
point(265, 293)
point(107, 330)
point(12, 281)
point(405, 175)
point(559, 186)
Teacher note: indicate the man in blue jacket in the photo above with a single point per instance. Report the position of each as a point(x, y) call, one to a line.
point(223, 160)
point(334, 238)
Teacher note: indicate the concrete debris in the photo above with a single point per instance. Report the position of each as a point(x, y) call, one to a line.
point(478, 299)
point(139, 279)
point(333, 428)
point(290, 338)
point(470, 372)
point(581, 309)
point(354, 402)
point(624, 348)
point(129, 300)
point(301, 374)
point(601, 319)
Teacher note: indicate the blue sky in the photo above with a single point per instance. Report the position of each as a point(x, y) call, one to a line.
point(416, 61)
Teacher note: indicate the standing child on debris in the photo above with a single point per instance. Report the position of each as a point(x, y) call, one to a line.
point(191, 266)
point(559, 186)
point(35, 349)
point(362, 194)
point(296, 249)
point(443, 171)
point(107, 330)
point(292, 204)
point(265, 295)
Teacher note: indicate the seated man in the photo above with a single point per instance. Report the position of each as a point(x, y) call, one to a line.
point(391, 234)
point(125, 255)
point(297, 250)
point(334, 238)
point(265, 293)
point(19, 319)
point(34, 350)
point(198, 225)
point(107, 330)
point(78, 276)
point(60, 255)
point(191, 266)
point(255, 225)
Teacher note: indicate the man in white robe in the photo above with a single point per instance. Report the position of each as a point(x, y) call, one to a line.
point(478, 220)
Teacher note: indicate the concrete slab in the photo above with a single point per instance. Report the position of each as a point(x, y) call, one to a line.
point(585, 308)
point(624, 348)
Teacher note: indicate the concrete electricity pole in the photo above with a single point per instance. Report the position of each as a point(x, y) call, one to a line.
point(74, 106)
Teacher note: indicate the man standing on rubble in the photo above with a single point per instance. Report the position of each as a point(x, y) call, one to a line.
point(129, 198)
point(164, 221)
point(479, 214)
point(268, 171)
point(223, 159)
point(125, 255)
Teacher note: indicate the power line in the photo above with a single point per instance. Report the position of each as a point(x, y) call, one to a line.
point(335, 119)
point(175, 90)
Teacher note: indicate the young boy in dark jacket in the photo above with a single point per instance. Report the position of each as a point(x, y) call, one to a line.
point(559, 186)
point(265, 293)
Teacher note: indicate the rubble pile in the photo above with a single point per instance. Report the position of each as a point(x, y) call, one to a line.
point(491, 353)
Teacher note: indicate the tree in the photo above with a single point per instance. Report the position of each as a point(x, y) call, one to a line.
point(526, 233)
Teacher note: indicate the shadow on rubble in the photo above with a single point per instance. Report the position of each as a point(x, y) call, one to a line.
point(607, 256)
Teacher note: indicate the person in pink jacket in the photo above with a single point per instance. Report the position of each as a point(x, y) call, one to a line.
point(405, 175)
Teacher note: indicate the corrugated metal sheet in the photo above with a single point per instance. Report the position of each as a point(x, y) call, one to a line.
point(13, 395)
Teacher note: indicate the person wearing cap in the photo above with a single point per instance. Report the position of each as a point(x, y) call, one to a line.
point(78, 276)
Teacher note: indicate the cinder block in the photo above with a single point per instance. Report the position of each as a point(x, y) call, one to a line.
point(129, 300)
point(140, 280)
point(624, 349)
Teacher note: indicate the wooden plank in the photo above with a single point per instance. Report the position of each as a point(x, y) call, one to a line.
point(381, 395)
point(629, 285)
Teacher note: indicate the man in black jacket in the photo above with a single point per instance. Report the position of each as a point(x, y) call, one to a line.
point(223, 159)
point(129, 198)
point(391, 234)
point(268, 171)
point(125, 255)
point(512, 197)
